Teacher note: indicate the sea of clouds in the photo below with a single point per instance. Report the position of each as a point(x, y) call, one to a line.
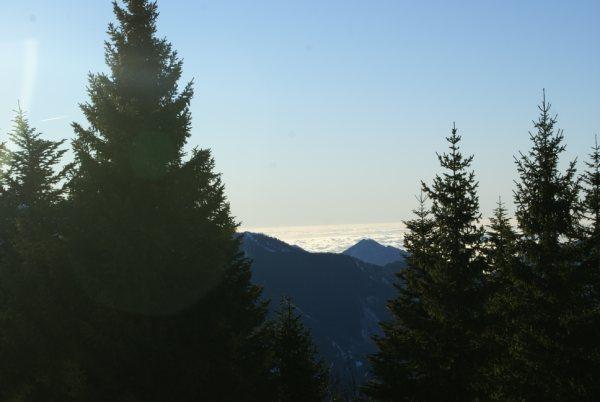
point(335, 238)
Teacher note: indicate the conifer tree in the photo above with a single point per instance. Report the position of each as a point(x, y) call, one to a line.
point(37, 340)
point(299, 375)
point(501, 241)
point(589, 245)
point(152, 236)
point(546, 352)
point(32, 179)
point(432, 350)
point(402, 345)
point(4, 220)
point(591, 215)
point(505, 281)
point(458, 292)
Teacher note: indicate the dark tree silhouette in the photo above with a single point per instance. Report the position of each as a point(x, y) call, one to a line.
point(401, 348)
point(432, 351)
point(299, 375)
point(589, 248)
point(152, 237)
point(545, 352)
point(591, 215)
point(36, 318)
point(506, 279)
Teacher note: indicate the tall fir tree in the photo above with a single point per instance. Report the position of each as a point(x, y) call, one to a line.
point(501, 242)
point(589, 247)
point(34, 180)
point(152, 238)
point(433, 350)
point(546, 352)
point(4, 219)
point(299, 375)
point(37, 341)
point(505, 281)
point(400, 369)
point(591, 216)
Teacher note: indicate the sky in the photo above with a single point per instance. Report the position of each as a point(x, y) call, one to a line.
point(331, 112)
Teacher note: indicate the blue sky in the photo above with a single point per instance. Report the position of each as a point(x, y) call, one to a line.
point(330, 112)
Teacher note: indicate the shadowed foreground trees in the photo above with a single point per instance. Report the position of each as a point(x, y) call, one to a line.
point(590, 230)
point(505, 283)
point(512, 315)
point(432, 351)
point(121, 277)
point(402, 348)
point(39, 303)
point(298, 373)
point(546, 358)
point(152, 238)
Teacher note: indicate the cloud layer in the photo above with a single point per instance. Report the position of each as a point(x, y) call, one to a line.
point(335, 238)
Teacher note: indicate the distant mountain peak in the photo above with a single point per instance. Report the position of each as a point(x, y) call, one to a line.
point(369, 250)
point(255, 242)
point(367, 241)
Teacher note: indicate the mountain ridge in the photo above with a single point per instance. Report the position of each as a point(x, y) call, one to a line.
point(342, 299)
point(373, 252)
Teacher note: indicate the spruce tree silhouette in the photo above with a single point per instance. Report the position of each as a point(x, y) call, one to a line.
point(545, 353)
point(152, 237)
point(431, 350)
point(298, 373)
point(37, 342)
point(589, 255)
point(591, 215)
point(506, 279)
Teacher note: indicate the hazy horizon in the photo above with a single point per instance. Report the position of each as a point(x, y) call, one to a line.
point(330, 113)
point(334, 238)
